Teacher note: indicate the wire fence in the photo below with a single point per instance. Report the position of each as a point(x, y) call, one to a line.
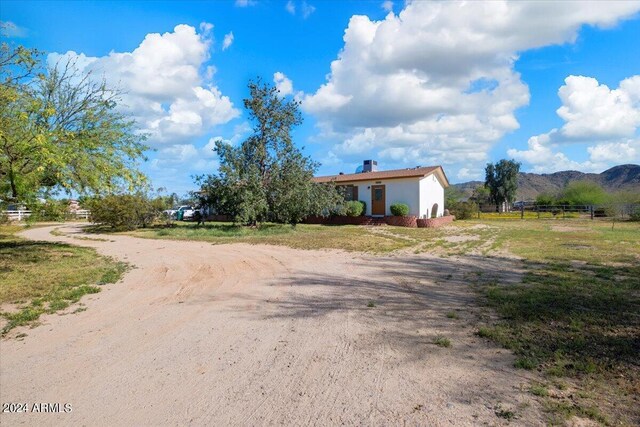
point(531, 210)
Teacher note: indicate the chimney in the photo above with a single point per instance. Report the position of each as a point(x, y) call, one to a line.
point(369, 166)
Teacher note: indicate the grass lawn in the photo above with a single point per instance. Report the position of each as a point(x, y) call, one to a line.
point(575, 317)
point(42, 277)
point(302, 236)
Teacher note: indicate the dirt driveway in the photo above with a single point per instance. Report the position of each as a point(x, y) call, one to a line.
point(202, 334)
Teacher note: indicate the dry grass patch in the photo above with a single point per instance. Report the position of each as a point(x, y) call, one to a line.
point(302, 236)
point(42, 277)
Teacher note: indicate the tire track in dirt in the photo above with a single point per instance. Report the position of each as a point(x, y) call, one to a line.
point(205, 334)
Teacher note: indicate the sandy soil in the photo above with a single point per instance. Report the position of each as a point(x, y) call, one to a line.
point(201, 334)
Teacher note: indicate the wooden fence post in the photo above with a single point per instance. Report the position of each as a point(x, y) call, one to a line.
point(522, 211)
point(591, 209)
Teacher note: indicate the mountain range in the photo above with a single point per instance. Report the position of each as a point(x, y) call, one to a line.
point(622, 177)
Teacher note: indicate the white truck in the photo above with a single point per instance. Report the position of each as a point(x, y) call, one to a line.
point(184, 212)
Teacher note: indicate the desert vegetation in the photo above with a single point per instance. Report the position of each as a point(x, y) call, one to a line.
point(41, 277)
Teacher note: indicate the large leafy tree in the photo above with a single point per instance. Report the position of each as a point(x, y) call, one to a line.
point(267, 177)
point(502, 181)
point(60, 129)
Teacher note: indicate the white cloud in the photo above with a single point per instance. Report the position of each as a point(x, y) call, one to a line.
point(615, 152)
point(466, 174)
point(545, 158)
point(290, 7)
point(283, 84)
point(593, 111)
point(436, 83)
point(244, 3)
point(239, 133)
point(164, 90)
point(12, 30)
point(306, 9)
point(387, 5)
point(227, 41)
point(606, 119)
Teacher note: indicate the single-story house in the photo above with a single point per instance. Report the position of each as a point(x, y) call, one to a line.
point(421, 188)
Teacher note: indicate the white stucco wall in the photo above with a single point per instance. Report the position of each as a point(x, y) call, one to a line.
point(418, 194)
point(405, 190)
point(431, 192)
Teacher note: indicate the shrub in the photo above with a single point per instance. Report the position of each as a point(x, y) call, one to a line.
point(125, 211)
point(635, 214)
point(464, 210)
point(354, 208)
point(399, 209)
point(546, 199)
point(50, 210)
point(583, 193)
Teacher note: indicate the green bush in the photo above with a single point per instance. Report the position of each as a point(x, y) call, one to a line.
point(125, 211)
point(635, 214)
point(50, 210)
point(463, 210)
point(400, 209)
point(583, 193)
point(354, 208)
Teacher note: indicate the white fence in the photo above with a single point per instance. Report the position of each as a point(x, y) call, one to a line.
point(20, 215)
point(17, 215)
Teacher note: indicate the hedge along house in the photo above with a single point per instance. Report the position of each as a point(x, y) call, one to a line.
point(420, 188)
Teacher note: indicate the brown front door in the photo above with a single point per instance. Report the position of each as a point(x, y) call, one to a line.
point(377, 200)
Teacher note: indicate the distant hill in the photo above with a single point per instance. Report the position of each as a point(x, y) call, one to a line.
point(623, 177)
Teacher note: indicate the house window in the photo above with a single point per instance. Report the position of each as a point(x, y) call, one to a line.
point(350, 192)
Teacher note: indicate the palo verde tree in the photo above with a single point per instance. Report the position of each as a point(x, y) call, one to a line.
point(267, 178)
point(60, 129)
point(502, 181)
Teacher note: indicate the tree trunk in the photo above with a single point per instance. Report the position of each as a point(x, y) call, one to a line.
point(12, 180)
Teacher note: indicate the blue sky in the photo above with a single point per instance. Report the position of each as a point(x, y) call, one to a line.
point(554, 85)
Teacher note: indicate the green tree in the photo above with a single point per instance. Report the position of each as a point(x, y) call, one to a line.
point(502, 181)
point(126, 211)
point(546, 199)
point(583, 193)
point(481, 195)
point(452, 195)
point(60, 129)
point(267, 177)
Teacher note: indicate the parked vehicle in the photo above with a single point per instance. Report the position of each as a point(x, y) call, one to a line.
point(171, 213)
point(185, 213)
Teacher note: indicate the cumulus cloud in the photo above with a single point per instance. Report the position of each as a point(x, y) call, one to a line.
point(239, 133)
point(164, 90)
point(397, 91)
point(283, 83)
point(227, 41)
point(592, 110)
point(606, 119)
